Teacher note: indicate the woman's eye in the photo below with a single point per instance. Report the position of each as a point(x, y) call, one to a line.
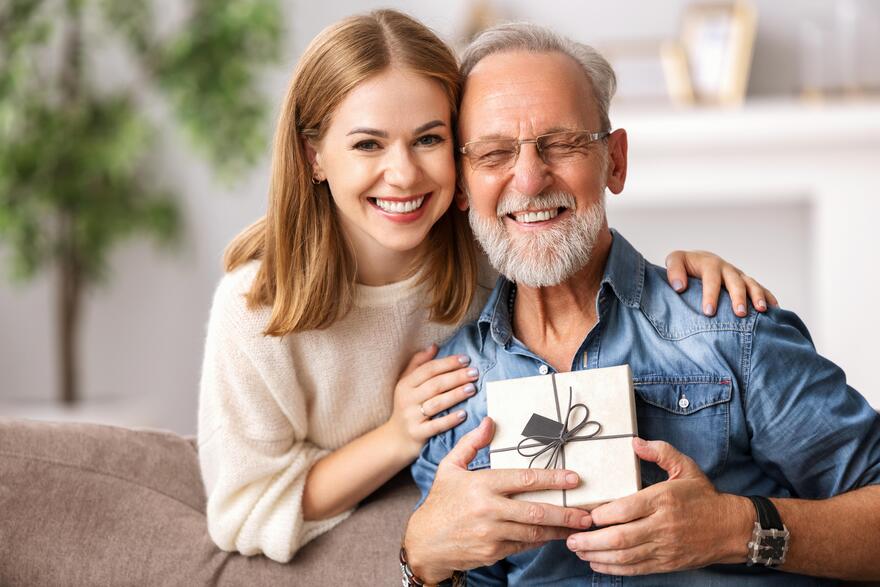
point(429, 140)
point(366, 146)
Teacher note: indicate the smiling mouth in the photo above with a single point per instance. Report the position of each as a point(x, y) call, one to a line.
point(400, 206)
point(536, 216)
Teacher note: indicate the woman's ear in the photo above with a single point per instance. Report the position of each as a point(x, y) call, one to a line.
point(314, 159)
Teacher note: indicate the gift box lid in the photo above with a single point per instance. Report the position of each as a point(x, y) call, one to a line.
point(607, 394)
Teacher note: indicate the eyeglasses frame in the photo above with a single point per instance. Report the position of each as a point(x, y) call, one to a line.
point(593, 136)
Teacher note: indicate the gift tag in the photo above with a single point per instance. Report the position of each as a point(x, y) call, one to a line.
point(538, 425)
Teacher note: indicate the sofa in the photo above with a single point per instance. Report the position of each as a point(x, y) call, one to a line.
point(96, 505)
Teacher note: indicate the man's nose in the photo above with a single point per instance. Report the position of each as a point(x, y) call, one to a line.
point(402, 169)
point(531, 175)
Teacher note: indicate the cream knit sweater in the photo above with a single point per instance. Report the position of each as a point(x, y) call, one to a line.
point(269, 408)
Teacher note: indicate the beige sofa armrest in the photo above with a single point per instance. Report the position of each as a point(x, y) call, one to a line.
point(88, 504)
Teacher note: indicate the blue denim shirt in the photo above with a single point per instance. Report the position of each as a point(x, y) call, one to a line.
point(765, 414)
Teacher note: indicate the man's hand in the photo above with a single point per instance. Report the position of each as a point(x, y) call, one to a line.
point(681, 523)
point(468, 519)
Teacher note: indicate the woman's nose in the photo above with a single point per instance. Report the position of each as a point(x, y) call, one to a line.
point(402, 168)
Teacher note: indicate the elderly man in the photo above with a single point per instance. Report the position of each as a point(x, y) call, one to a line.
point(728, 408)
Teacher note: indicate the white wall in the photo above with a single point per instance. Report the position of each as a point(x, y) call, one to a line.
point(142, 335)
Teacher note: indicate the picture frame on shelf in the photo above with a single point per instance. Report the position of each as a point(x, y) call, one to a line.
point(717, 42)
point(708, 64)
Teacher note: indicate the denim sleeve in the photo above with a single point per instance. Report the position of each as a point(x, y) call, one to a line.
point(809, 430)
point(424, 469)
point(492, 576)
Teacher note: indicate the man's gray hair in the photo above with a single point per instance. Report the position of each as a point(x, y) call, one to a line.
point(520, 36)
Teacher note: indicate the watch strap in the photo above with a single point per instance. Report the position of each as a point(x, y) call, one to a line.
point(410, 579)
point(768, 515)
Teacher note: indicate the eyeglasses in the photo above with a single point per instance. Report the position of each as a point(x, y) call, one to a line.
point(553, 148)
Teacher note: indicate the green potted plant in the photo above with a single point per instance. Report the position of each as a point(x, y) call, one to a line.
point(75, 167)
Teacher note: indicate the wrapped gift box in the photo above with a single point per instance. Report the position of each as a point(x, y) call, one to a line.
point(583, 421)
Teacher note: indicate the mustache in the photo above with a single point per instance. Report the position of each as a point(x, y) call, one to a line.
point(520, 203)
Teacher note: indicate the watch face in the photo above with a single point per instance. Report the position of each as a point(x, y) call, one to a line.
point(774, 543)
point(772, 547)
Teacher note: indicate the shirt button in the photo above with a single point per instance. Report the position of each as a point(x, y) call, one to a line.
point(683, 403)
point(543, 369)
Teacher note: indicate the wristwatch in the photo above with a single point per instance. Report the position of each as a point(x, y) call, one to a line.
point(458, 578)
point(770, 537)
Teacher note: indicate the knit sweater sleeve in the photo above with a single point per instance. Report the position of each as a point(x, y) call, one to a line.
point(253, 449)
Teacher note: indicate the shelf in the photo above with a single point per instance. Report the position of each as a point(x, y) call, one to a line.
point(763, 125)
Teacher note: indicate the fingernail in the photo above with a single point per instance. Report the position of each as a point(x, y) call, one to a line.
point(430, 347)
point(473, 372)
point(462, 414)
point(741, 309)
point(586, 521)
point(469, 389)
point(464, 360)
point(677, 285)
point(571, 543)
point(762, 305)
point(639, 441)
point(571, 478)
point(709, 309)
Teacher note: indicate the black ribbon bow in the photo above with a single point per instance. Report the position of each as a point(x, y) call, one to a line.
point(551, 436)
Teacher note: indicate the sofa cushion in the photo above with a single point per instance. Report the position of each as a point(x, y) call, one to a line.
point(88, 504)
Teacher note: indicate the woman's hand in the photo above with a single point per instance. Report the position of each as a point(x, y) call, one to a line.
point(427, 387)
point(715, 272)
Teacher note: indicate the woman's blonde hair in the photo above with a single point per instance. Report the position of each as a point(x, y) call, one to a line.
point(307, 273)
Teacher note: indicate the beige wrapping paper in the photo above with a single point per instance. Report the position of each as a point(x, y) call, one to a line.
point(606, 462)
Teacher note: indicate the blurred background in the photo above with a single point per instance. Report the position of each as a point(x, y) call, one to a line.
point(754, 132)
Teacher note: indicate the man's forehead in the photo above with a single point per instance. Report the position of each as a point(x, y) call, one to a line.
point(520, 91)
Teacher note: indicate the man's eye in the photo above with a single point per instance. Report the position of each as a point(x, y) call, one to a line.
point(429, 140)
point(559, 151)
point(496, 155)
point(366, 146)
point(493, 159)
point(562, 147)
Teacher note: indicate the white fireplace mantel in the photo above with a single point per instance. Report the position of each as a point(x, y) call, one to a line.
point(827, 155)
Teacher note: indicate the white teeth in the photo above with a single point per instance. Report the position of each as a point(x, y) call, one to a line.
point(400, 207)
point(541, 216)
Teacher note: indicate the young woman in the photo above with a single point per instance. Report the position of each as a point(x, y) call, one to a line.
point(309, 398)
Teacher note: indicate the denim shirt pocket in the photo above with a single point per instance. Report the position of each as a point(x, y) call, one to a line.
point(691, 412)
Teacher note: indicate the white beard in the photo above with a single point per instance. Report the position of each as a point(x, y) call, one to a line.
point(544, 257)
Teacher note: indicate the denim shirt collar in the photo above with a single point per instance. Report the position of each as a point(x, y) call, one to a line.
point(624, 274)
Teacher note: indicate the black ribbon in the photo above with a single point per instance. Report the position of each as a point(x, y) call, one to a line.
point(551, 436)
